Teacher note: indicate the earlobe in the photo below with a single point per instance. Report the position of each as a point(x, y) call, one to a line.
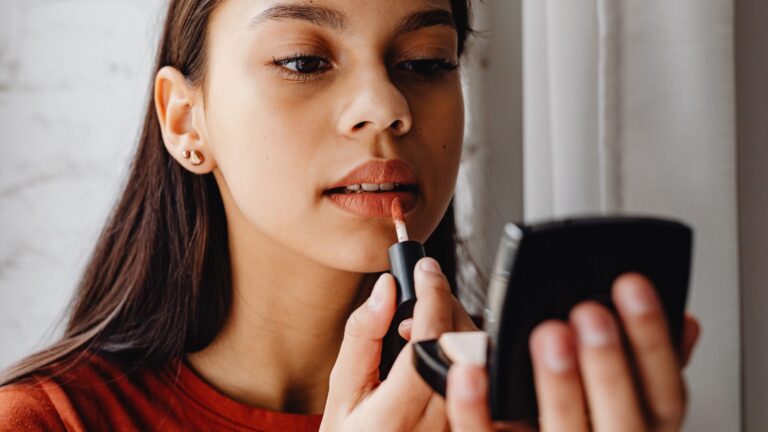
point(194, 157)
point(176, 105)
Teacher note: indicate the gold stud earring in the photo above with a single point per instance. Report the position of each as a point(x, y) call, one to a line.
point(194, 157)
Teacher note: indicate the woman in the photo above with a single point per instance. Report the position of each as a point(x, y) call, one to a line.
point(238, 284)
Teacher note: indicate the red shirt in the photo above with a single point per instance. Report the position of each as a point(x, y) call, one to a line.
point(97, 395)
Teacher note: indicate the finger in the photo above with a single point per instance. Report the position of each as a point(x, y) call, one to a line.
point(461, 319)
point(400, 400)
point(559, 391)
point(691, 332)
point(357, 366)
point(434, 417)
point(611, 397)
point(432, 316)
point(405, 328)
point(433, 312)
point(654, 356)
point(467, 399)
point(514, 427)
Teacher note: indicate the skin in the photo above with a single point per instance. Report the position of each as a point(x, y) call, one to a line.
point(274, 143)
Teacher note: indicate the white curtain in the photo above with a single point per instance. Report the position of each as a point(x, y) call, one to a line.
point(629, 106)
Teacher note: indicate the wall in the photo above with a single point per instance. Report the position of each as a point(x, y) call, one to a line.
point(490, 185)
point(74, 76)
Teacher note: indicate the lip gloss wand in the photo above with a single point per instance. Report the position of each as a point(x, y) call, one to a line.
point(403, 257)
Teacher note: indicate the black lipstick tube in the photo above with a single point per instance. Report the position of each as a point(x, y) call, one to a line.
point(403, 257)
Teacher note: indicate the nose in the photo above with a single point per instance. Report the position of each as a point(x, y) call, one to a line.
point(376, 105)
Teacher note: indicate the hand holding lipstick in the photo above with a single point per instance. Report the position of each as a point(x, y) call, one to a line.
point(357, 399)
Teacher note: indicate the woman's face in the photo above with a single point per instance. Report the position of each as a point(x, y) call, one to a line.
point(373, 81)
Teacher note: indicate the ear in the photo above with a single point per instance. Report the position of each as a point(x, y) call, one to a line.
point(180, 112)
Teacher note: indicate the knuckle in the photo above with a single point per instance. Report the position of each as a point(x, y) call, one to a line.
point(653, 343)
point(609, 374)
point(436, 291)
point(334, 375)
point(669, 416)
point(435, 306)
point(432, 282)
point(356, 325)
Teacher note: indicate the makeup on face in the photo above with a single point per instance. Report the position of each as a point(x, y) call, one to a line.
point(370, 189)
point(403, 257)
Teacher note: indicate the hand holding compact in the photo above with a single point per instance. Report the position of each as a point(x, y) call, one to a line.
point(584, 375)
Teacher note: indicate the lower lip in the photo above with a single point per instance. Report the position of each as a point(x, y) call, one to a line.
point(373, 204)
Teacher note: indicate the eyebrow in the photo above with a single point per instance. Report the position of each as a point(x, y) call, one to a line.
point(327, 17)
point(426, 18)
point(318, 15)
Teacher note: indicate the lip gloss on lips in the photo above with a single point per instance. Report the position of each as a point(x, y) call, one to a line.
point(403, 257)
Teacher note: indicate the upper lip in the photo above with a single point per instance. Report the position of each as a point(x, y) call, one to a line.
point(378, 171)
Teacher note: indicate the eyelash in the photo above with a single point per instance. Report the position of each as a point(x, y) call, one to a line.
point(439, 66)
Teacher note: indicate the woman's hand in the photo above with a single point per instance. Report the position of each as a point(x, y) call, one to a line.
point(585, 379)
point(357, 400)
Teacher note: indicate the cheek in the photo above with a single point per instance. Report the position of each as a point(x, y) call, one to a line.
point(441, 130)
point(262, 156)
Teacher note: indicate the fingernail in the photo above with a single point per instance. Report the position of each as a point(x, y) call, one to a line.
point(406, 323)
point(558, 356)
point(595, 329)
point(638, 299)
point(377, 294)
point(430, 265)
point(468, 387)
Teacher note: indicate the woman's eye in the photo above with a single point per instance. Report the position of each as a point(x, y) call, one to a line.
point(302, 67)
point(428, 69)
point(304, 64)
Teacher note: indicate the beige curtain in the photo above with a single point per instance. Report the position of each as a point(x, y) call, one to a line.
point(629, 107)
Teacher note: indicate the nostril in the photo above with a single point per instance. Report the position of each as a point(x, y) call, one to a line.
point(396, 125)
point(358, 126)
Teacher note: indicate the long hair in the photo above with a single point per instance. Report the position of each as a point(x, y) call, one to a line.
point(158, 283)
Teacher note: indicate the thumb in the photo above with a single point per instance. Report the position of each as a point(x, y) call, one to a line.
point(356, 371)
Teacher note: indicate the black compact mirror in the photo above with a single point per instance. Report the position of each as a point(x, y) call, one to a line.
point(543, 270)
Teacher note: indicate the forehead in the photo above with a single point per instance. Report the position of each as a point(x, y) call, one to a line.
point(340, 15)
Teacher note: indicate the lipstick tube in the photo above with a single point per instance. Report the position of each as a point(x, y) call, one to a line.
point(403, 257)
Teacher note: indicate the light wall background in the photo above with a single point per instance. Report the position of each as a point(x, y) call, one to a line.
point(74, 78)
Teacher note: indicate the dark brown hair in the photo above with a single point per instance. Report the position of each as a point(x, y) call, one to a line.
point(158, 283)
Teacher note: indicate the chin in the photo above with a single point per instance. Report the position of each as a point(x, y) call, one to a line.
point(370, 258)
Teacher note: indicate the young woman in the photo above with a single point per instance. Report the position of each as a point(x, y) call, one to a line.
point(239, 283)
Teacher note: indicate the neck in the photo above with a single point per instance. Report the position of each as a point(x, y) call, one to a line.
point(285, 327)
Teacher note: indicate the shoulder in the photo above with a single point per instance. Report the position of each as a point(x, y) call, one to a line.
point(27, 406)
point(61, 397)
point(91, 391)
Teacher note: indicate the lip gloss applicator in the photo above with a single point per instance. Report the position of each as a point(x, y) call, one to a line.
point(403, 257)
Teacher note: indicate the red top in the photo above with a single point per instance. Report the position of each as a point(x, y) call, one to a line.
point(98, 395)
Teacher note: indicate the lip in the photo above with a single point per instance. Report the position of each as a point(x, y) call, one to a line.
point(374, 204)
point(378, 171)
point(377, 204)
